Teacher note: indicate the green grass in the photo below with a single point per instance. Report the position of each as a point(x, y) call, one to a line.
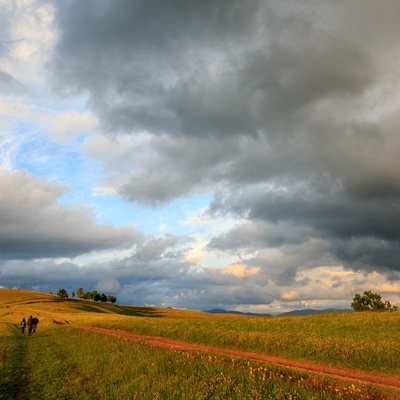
point(363, 341)
point(62, 361)
point(65, 362)
point(13, 371)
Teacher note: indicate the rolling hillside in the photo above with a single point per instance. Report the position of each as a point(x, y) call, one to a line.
point(68, 358)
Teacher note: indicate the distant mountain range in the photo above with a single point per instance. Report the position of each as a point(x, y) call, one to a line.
point(306, 311)
point(222, 311)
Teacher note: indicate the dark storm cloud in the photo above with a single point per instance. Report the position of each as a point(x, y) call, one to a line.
point(172, 167)
point(45, 275)
point(283, 109)
point(33, 225)
point(255, 235)
point(361, 233)
point(156, 248)
point(200, 68)
point(152, 59)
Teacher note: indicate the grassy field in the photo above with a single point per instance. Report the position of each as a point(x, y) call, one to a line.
point(61, 361)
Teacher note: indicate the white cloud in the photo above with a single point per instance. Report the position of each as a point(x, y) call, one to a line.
point(31, 37)
point(33, 224)
point(104, 191)
point(108, 286)
point(240, 270)
point(64, 126)
point(9, 146)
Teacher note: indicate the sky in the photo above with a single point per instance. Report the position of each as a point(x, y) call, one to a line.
point(200, 155)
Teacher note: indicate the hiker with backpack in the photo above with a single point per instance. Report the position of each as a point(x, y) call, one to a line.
point(35, 321)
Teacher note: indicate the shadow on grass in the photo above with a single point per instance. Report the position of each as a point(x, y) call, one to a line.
point(92, 308)
point(105, 308)
point(138, 311)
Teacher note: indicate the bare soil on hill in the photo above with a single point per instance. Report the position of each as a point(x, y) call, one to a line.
point(346, 375)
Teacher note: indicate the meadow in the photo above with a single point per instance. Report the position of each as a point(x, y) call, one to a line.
point(62, 361)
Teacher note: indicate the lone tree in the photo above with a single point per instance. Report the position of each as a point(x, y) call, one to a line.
point(371, 302)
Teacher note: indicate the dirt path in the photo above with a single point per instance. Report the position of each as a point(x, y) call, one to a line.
point(348, 375)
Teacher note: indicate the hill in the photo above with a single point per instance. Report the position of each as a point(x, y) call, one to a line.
point(356, 342)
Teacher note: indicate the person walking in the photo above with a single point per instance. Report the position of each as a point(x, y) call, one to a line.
point(35, 321)
point(30, 325)
point(23, 325)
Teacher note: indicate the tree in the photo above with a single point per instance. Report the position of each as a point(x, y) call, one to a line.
point(62, 294)
point(73, 294)
point(94, 295)
point(97, 297)
point(80, 293)
point(371, 302)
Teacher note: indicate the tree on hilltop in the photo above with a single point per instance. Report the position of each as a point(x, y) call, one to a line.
point(93, 294)
point(96, 297)
point(62, 294)
point(371, 302)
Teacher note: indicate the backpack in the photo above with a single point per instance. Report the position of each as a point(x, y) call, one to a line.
point(23, 324)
